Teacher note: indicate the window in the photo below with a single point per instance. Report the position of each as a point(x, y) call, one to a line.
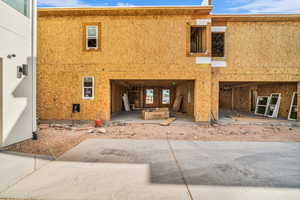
point(218, 44)
point(88, 88)
point(92, 39)
point(293, 108)
point(21, 6)
point(166, 96)
point(198, 40)
point(149, 96)
point(261, 105)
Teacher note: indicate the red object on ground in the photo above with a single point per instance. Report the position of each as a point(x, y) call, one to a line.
point(98, 123)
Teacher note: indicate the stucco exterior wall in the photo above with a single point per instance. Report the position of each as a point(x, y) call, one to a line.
point(132, 47)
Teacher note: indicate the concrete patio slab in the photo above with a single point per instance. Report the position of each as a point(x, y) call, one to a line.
point(107, 169)
point(161, 169)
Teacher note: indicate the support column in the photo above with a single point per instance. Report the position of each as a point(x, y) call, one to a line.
point(298, 102)
point(202, 100)
point(215, 100)
point(232, 98)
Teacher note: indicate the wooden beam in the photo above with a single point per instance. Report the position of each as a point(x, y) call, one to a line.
point(298, 102)
point(245, 85)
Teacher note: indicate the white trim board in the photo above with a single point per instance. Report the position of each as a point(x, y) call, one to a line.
point(216, 63)
point(218, 29)
point(203, 22)
point(203, 60)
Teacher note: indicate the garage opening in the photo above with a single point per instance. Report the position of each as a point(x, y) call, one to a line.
point(260, 100)
point(130, 99)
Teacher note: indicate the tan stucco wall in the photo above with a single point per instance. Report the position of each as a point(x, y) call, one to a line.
point(132, 47)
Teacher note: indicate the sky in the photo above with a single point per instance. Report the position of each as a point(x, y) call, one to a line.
point(220, 6)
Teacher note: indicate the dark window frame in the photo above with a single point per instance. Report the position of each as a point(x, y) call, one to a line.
point(218, 49)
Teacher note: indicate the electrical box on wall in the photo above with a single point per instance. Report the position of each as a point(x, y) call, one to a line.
point(22, 70)
point(76, 108)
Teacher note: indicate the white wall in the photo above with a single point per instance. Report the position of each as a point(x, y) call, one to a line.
point(18, 102)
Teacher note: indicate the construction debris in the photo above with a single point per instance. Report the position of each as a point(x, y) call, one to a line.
point(156, 113)
point(55, 142)
point(98, 130)
point(168, 121)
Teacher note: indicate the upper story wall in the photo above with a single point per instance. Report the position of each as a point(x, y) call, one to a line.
point(261, 47)
point(152, 38)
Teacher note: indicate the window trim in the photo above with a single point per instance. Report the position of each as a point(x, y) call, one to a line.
point(98, 36)
point(208, 40)
point(93, 88)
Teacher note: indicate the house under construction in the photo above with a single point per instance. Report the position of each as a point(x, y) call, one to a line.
point(103, 62)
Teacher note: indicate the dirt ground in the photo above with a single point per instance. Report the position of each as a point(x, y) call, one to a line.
point(54, 140)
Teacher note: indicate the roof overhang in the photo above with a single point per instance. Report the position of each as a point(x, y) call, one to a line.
point(256, 18)
point(125, 11)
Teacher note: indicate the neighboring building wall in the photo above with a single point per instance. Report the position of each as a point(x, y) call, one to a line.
point(17, 94)
point(259, 52)
point(132, 47)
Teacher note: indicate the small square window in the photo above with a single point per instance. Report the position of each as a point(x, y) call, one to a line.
point(218, 44)
point(88, 88)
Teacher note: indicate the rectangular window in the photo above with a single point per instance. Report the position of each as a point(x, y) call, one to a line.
point(166, 96)
point(21, 6)
point(198, 40)
point(88, 88)
point(92, 37)
point(149, 96)
point(218, 41)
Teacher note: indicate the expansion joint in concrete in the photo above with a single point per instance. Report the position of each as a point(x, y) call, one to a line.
point(180, 169)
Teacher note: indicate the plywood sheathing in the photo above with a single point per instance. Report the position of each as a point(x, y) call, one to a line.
point(183, 90)
point(261, 51)
point(226, 99)
point(128, 53)
point(116, 97)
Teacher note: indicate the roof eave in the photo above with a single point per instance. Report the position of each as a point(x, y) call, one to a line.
point(255, 17)
point(108, 11)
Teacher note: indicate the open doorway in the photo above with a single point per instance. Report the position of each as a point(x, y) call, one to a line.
point(264, 100)
point(129, 98)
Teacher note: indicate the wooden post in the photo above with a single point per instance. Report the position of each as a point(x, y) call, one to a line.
point(298, 102)
point(232, 98)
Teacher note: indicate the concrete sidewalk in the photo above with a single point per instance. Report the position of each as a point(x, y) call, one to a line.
point(160, 169)
point(15, 166)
